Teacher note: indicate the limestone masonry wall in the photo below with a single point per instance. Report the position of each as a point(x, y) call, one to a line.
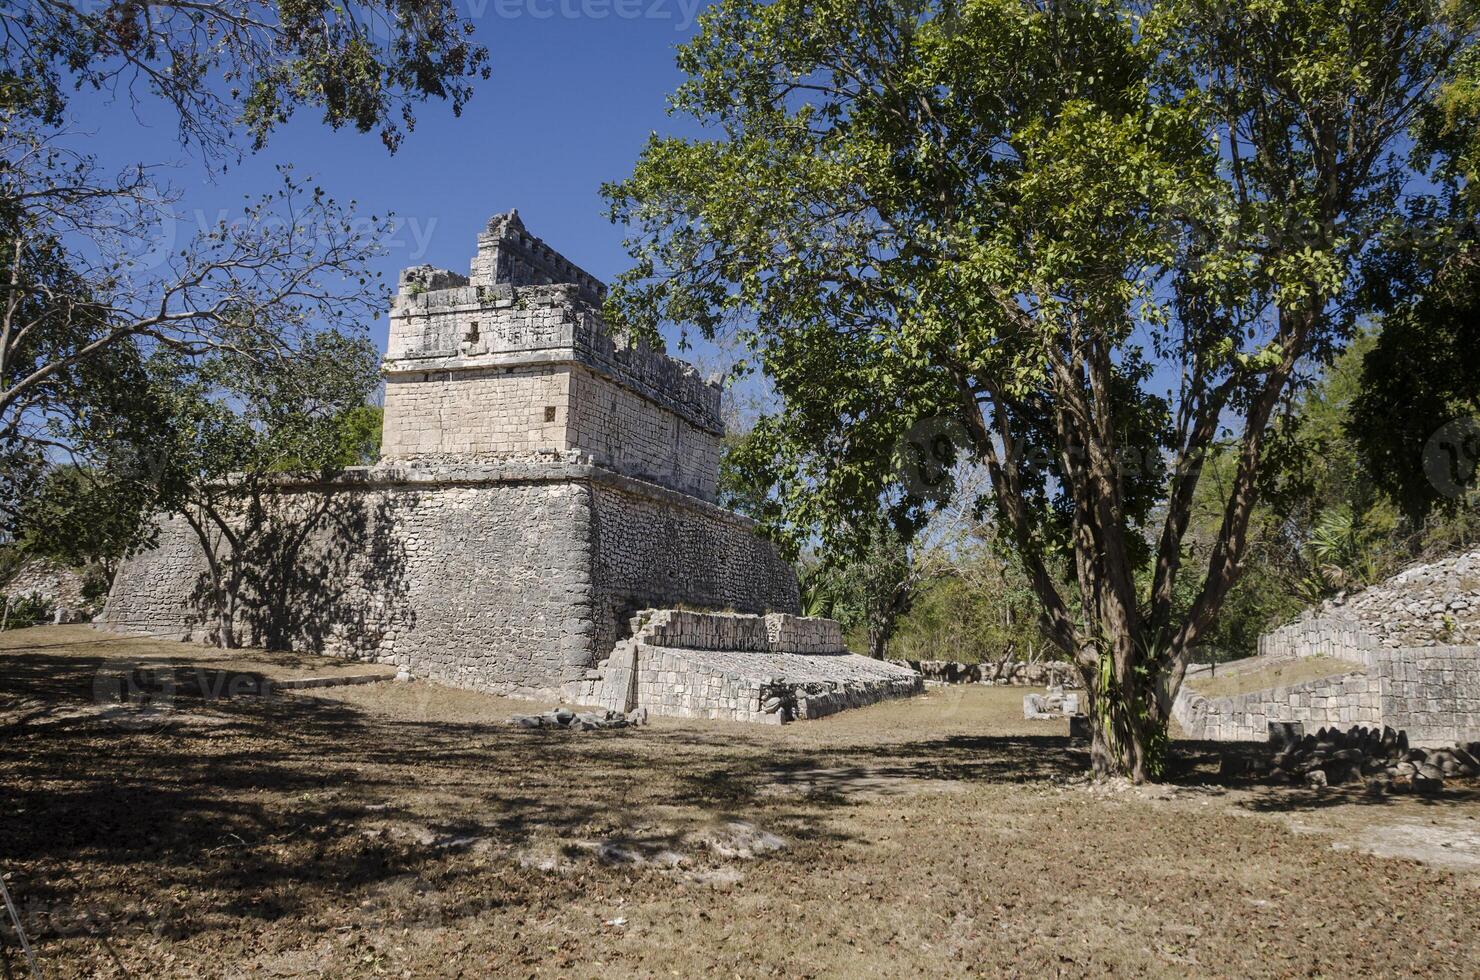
point(1344, 701)
point(777, 633)
point(651, 552)
point(1431, 692)
point(504, 579)
point(632, 435)
point(1320, 636)
point(482, 586)
point(463, 327)
point(508, 253)
point(492, 411)
point(52, 582)
point(768, 669)
point(467, 373)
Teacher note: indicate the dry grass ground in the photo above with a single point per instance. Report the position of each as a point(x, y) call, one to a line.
point(1223, 685)
point(402, 830)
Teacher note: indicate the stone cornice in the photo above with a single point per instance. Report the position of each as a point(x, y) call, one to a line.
point(568, 467)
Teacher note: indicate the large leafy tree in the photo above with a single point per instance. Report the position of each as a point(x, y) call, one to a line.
point(1077, 242)
point(95, 280)
point(77, 324)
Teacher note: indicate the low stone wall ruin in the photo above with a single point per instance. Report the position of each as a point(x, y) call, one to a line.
point(1347, 699)
point(1317, 636)
point(53, 583)
point(1048, 673)
point(1431, 692)
point(770, 669)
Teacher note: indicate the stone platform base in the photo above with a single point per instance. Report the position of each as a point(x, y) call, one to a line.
point(1432, 693)
point(770, 669)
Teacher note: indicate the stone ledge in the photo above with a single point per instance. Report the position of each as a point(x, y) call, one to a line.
point(566, 467)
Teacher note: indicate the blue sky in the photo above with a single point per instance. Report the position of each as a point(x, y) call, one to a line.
point(577, 86)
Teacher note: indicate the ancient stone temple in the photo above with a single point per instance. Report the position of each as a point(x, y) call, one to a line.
point(541, 485)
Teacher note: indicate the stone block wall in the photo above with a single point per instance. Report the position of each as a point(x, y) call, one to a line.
point(477, 414)
point(49, 581)
point(1346, 700)
point(508, 253)
point(465, 321)
point(626, 432)
point(483, 586)
point(1320, 636)
point(494, 578)
point(771, 633)
point(461, 328)
point(1433, 693)
point(471, 376)
point(656, 549)
point(767, 669)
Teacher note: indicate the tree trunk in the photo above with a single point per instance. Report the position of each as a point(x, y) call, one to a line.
point(228, 619)
point(878, 642)
point(1128, 723)
point(221, 597)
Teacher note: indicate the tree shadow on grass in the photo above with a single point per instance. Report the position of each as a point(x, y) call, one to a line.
point(265, 807)
point(832, 774)
point(1225, 767)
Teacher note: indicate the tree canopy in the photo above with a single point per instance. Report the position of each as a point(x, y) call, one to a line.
point(247, 63)
point(97, 286)
point(1418, 416)
point(1083, 243)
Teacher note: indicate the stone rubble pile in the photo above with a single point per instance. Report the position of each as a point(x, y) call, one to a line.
point(1009, 674)
point(581, 721)
point(1054, 704)
point(777, 698)
point(1427, 605)
point(1382, 758)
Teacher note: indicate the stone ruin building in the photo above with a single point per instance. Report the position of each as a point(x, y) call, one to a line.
point(1404, 654)
point(542, 523)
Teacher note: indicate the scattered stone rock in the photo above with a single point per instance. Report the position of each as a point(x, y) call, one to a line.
point(1283, 733)
point(1331, 757)
point(738, 839)
point(1054, 704)
point(585, 721)
point(1424, 605)
point(1010, 673)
